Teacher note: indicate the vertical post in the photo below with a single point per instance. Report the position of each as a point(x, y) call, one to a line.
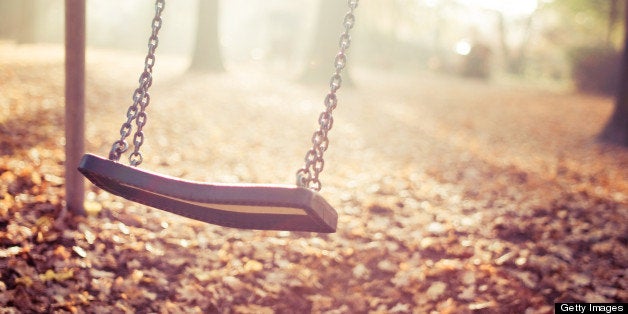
point(74, 103)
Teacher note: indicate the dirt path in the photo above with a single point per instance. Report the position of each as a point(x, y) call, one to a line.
point(455, 196)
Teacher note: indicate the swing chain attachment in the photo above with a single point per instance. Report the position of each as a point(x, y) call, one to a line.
point(307, 176)
point(141, 98)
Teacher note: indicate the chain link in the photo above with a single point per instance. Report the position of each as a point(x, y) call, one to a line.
point(141, 98)
point(314, 163)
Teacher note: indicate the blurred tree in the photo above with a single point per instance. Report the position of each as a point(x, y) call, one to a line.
point(477, 63)
point(587, 19)
point(325, 44)
point(10, 11)
point(206, 56)
point(613, 18)
point(28, 22)
point(589, 32)
point(616, 130)
point(515, 57)
point(18, 19)
point(595, 68)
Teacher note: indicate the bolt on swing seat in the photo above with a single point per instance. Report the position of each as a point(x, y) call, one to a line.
point(248, 206)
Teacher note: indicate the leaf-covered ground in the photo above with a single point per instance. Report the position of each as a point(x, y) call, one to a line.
point(453, 196)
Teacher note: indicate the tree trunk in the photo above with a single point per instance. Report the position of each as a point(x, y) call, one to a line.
point(515, 61)
point(10, 11)
point(206, 57)
point(503, 43)
point(319, 67)
point(613, 15)
point(616, 130)
point(26, 33)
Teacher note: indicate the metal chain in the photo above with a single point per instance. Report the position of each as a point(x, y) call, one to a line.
point(307, 176)
point(141, 98)
point(314, 162)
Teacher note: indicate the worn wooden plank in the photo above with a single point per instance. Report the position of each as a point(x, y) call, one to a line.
point(246, 206)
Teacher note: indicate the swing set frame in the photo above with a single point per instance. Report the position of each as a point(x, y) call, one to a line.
point(249, 206)
point(74, 103)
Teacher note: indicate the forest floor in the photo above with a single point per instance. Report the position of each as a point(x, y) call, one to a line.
point(453, 195)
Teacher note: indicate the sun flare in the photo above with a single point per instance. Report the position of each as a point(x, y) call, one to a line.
point(513, 7)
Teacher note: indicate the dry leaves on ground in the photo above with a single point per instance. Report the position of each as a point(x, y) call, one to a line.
point(480, 198)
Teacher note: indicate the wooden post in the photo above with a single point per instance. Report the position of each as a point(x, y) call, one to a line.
point(74, 103)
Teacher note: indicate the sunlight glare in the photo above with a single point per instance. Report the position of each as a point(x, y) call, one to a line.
point(514, 7)
point(431, 3)
point(463, 47)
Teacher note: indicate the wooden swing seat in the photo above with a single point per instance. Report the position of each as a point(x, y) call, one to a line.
point(248, 206)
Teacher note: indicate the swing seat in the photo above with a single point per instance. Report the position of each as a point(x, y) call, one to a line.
point(248, 206)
